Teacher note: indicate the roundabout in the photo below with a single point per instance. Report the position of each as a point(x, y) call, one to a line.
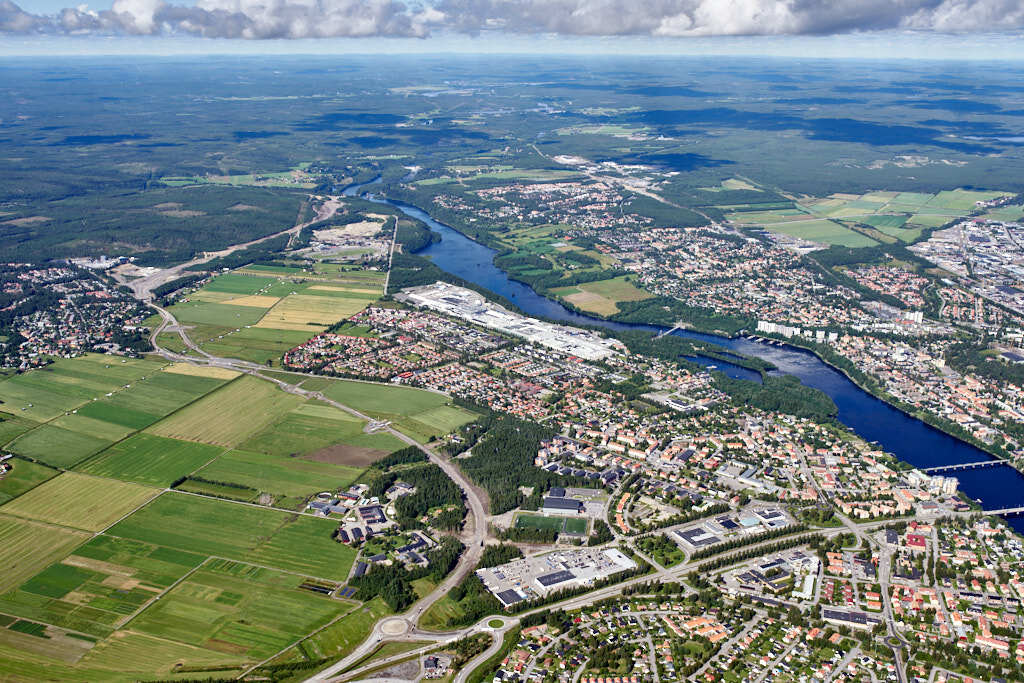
point(394, 627)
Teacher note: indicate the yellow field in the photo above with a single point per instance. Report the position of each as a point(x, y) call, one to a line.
point(80, 501)
point(255, 301)
point(229, 415)
point(312, 313)
point(201, 371)
point(27, 547)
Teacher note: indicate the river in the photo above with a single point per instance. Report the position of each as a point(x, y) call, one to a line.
point(906, 437)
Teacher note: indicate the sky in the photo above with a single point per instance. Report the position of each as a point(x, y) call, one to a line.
point(876, 29)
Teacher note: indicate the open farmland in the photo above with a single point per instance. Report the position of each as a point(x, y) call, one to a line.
point(602, 296)
point(903, 215)
point(93, 425)
point(229, 415)
point(48, 392)
point(415, 412)
point(284, 540)
point(99, 586)
point(292, 477)
point(238, 609)
point(25, 475)
point(26, 547)
point(312, 313)
point(80, 501)
point(150, 459)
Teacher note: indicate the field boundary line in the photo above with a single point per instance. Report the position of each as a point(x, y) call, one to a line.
point(131, 617)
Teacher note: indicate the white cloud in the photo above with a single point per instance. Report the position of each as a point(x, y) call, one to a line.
point(297, 19)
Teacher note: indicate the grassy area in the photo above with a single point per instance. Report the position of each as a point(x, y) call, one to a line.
point(438, 615)
point(26, 547)
point(24, 476)
point(264, 536)
point(151, 459)
point(273, 474)
point(80, 501)
point(602, 296)
point(231, 607)
point(341, 637)
point(824, 231)
point(576, 525)
point(417, 413)
point(99, 587)
point(229, 415)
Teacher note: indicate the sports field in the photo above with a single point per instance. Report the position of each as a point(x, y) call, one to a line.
point(230, 414)
point(219, 528)
point(79, 501)
point(576, 525)
point(150, 459)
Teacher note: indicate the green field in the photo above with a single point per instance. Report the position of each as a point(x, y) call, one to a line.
point(239, 609)
point(574, 525)
point(79, 501)
point(309, 427)
point(48, 392)
point(230, 414)
point(240, 532)
point(824, 231)
point(344, 635)
point(26, 547)
point(24, 476)
point(284, 476)
point(151, 459)
point(414, 412)
point(101, 585)
point(234, 283)
point(89, 427)
point(602, 296)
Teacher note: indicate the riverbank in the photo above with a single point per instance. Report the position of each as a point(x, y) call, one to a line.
point(904, 408)
point(909, 438)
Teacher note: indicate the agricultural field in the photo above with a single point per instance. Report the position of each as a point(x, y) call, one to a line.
point(91, 426)
point(901, 215)
point(828, 232)
point(287, 541)
point(341, 637)
point(25, 475)
point(258, 312)
point(238, 609)
point(602, 296)
point(291, 477)
point(419, 414)
point(100, 585)
point(150, 459)
point(79, 501)
point(321, 432)
point(48, 392)
point(26, 547)
point(229, 415)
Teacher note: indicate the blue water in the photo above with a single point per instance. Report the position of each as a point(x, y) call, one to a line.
point(906, 437)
